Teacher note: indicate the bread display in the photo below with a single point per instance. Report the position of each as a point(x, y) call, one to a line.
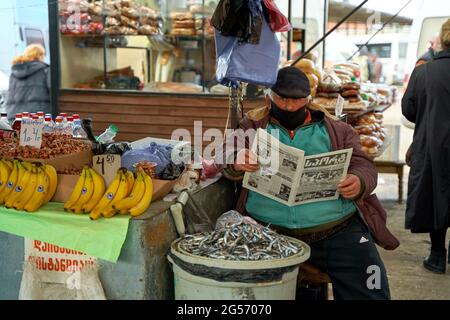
point(124, 17)
point(372, 132)
point(183, 23)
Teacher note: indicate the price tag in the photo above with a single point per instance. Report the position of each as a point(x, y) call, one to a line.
point(107, 165)
point(339, 106)
point(31, 133)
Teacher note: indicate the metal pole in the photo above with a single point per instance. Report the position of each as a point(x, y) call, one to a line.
point(203, 49)
point(304, 29)
point(289, 35)
point(55, 63)
point(325, 25)
point(331, 31)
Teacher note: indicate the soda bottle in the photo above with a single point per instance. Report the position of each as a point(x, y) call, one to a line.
point(108, 135)
point(17, 122)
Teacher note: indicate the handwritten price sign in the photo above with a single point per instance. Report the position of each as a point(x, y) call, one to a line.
point(107, 165)
point(31, 133)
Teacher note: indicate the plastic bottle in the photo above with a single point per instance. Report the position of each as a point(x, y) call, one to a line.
point(59, 126)
point(64, 116)
point(17, 122)
point(4, 116)
point(108, 135)
point(4, 123)
point(78, 131)
point(49, 125)
point(68, 126)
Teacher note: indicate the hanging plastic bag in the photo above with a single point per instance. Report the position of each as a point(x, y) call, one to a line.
point(250, 63)
point(277, 21)
point(239, 18)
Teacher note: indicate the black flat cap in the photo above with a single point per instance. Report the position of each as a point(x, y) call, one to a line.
point(291, 83)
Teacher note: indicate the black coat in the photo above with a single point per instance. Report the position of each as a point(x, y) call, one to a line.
point(29, 88)
point(427, 103)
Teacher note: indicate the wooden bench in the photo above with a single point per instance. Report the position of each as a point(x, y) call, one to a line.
point(393, 167)
point(389, 161)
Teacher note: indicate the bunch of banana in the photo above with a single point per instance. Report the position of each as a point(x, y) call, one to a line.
point(87, 192)
point(140, 197)
point(26, 186)
point(125, 195)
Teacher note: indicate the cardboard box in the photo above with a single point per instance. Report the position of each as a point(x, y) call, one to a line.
point(69, 161)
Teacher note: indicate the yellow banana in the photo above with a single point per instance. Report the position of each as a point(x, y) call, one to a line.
point(12, 180)
point(38, 198)
point(8, 163)
point(27, 165)
point(107, 197)
point(22, 181)
point(146, 198)
point(136, 195)
point(99, 190)
point(76, 193)
point(27, 191)
point(130, 181)
point(52, 176)
point(86, 193)
point(5, 172)
point(122, 191)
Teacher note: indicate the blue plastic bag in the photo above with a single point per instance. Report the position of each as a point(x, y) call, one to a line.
point(251, 63)
point(158, 153)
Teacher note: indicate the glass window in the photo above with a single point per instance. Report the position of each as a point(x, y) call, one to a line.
point(147, 45)
point(381, 50)
point(430, 29)
point(34, 36)
point(402, 50)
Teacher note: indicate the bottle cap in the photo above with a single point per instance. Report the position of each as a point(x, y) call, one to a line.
point(113, 128)
point(70, 119)
point(40, 113)
point(59, 119)
point(19, 115)
point(76, 116)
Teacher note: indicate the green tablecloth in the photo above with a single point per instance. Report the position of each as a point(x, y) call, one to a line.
point(101, 238)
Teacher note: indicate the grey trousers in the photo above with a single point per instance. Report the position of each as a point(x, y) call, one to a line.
point(351, 260)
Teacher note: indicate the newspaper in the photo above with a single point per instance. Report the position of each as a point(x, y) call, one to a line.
point(288, 176)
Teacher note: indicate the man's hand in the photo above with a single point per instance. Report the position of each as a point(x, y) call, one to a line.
point(246, 161)
point(350, 187)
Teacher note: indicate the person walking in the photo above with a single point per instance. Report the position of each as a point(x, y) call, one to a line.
point(427, 104)
point(29, 83)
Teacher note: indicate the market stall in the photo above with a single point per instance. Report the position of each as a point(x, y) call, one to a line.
point(150, 68)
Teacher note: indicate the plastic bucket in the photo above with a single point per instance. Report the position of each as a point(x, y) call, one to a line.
point(202, 278)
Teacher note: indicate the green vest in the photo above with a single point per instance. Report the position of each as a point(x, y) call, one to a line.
point(313, 139)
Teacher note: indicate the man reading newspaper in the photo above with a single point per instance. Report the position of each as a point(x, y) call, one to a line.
point(342, 232)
